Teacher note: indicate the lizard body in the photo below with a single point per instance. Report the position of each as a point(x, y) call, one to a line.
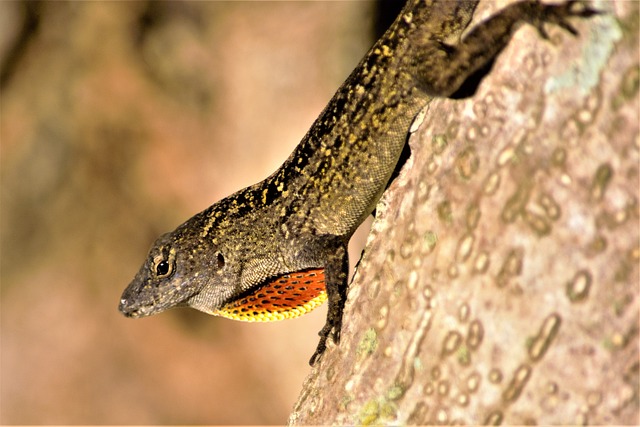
point(278, 248)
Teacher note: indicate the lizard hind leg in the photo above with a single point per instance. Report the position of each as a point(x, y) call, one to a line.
point(443, 70)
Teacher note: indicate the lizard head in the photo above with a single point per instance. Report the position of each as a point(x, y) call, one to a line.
point(175, 270)
point(202, 265)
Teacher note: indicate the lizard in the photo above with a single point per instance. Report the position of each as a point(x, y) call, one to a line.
point(278, 249)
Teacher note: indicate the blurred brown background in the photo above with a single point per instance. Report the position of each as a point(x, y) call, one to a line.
point(120, 120)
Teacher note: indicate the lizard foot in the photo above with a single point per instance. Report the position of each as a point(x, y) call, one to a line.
point(558, 14)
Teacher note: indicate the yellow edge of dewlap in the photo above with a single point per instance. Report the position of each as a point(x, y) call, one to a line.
point(272, 316)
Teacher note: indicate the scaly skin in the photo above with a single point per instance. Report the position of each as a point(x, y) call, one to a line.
point(300, 219)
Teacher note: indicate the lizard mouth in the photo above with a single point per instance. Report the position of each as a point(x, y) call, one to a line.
point(135, 311)
point(283, 297)
point(128, 310)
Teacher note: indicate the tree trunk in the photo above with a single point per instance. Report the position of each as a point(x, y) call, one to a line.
point(499, 283)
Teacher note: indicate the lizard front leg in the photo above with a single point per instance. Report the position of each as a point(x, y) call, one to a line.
point(336, 272)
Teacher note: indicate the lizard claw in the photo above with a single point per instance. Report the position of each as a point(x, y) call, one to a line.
point(329, 330)
point(322, 344)
point(585, 11)
point(567, 26)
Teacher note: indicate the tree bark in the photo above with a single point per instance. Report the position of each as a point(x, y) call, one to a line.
point(499, 283)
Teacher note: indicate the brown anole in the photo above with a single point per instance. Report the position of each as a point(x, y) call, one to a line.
point(277, 249)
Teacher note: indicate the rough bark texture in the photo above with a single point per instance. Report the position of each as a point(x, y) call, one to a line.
point(500, 281)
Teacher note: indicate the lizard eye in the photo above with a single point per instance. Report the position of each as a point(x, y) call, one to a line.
point(162, 267)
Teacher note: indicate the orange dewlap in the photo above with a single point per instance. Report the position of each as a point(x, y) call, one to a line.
point(284, 297)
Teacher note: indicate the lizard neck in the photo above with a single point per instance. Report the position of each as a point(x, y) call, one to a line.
point(335, 176)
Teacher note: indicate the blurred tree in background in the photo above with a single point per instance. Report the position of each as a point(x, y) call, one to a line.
point(119, 121)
